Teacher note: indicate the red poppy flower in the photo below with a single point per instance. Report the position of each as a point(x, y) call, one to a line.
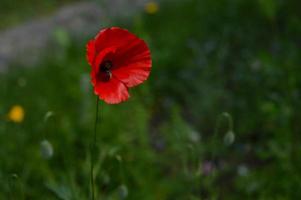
point(119, 60)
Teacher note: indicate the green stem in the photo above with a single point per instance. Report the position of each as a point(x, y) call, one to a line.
point(93, 150)
point(222, 116)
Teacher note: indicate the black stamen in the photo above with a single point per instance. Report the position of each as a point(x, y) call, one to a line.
point(105, 73)
point(106, 65)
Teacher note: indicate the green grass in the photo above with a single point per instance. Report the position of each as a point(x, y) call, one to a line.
point(14, 12)
point(209, 57)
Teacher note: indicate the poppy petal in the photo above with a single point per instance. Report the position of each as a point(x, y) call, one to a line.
point(112, 92)
point(112, 37)
point(91, 51)
point(133, 63)
point(104, 54)
point(98, 60)
point(121, 55)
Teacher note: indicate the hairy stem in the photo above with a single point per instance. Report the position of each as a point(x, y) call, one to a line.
point(93, 151)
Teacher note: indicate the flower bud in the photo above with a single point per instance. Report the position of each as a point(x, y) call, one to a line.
point(46, 149)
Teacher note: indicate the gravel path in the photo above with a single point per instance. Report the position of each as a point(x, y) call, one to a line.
point(25, 44)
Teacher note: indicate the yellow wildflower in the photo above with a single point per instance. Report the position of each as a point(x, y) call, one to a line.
point(151, 7)
point(16, 114)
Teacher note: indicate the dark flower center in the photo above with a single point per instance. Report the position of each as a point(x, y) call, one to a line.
point(105, 73)
point(106, 65)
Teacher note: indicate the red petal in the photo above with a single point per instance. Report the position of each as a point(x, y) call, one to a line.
point(104, 54)
point(112, 92)
point(108, 52)
point(133, 63)
point(91, 51)
point(112, 37)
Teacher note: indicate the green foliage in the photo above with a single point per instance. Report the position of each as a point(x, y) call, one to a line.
point(172, 139)
point(13, 12)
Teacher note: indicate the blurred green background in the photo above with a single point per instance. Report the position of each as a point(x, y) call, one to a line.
point(219, 117)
